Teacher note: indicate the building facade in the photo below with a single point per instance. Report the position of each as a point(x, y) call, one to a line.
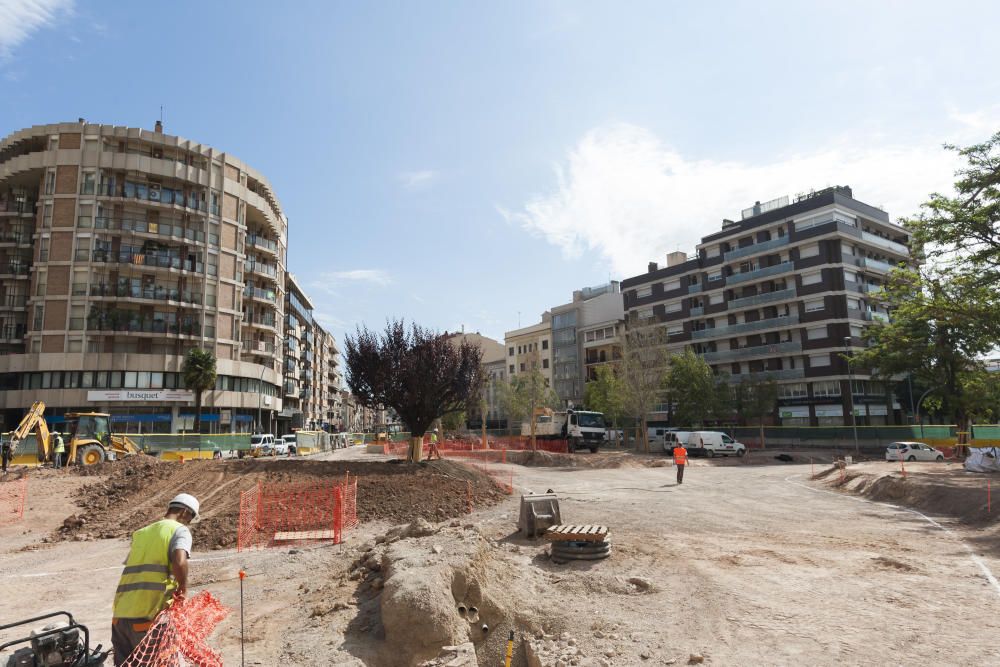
point(530, 348)
point(783, 293)
point(493, 362)
point(120, 250)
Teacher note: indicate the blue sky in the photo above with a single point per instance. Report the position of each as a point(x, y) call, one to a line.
point(459, 163)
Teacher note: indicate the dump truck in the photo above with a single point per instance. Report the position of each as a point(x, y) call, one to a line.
point(580, 428)
point(90, 439)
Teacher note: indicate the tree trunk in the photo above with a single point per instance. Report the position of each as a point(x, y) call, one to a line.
point(644, 434)
point(197, 413)
point(416, 448)
point(532, 430)
point(762, 445)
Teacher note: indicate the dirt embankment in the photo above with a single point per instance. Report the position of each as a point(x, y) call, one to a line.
point(935, 488)
point(132, 492)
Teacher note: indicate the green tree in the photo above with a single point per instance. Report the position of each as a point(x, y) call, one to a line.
point(453, 421)
point(606, 394)
point(692, 388)
point(757, 398)
point(525, 396)
point(643, 368)
point(198, 374)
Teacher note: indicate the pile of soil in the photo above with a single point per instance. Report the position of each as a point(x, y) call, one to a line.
point(543, 459)
point(134, 491)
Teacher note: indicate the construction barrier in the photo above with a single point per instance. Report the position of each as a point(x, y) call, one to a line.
point(13, 495)
point(504, 479)
point(178, 635)
point(272, 514)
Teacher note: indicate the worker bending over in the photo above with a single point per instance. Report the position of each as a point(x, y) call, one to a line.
point(680, 460)
point(156, 573)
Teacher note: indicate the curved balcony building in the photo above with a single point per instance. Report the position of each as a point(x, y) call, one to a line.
point(121, 249)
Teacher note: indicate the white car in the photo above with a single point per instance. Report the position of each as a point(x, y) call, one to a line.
point(714, 443)
point(912, 451)
point(280, 447)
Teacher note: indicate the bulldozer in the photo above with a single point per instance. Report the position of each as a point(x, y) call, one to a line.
point(90, 438)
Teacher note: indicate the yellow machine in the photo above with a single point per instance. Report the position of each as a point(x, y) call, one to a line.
point(90, 439)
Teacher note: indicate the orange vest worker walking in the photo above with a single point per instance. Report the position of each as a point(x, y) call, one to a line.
point(680, 460)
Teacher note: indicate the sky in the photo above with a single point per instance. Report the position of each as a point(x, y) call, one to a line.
point(470, 164)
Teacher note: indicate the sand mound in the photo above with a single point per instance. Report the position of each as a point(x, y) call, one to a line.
point(134, 491)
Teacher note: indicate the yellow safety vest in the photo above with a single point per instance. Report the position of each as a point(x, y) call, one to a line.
point(60, 447)
point(146, 585)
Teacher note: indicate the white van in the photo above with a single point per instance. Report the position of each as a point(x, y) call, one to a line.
point(262, 444)
point(673, 439)
point(714, 443)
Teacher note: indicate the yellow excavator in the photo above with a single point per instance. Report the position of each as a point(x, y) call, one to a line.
point(90, 439)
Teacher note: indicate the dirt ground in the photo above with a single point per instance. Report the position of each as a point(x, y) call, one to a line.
point(742, 564)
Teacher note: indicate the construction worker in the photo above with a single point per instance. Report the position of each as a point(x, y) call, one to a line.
point(60, 452)
point(680, 460)
point(5, 455)
point(434, 446)
point(155, 574)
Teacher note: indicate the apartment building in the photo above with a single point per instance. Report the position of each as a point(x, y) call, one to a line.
point(783, 292)
point(585, 334)
point(530, 348)
point(121, 249)
point(493, 362)
point(299, 345)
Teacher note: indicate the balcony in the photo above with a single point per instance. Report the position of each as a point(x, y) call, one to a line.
point(125, 321)
point(263, 269)
point(161, 195)
point(747, 327)
point(19, 235)
point(22, 206)
point(14, 268)
point(12, 331)
point(886, 244)
point(766, 297)
point(784, 267)
point(756, 248)
point(697, 311)
point(166, 228)
point(784, 374)
point(152, 292)
point(871, 288)
point(261, 320)
point(756, 351)
point(875, 317)
point(258, 241)
point(149, 259)
point(261, 294)
point(15, 301)
point(874, 264)
point(694, 289)
point(259, 347)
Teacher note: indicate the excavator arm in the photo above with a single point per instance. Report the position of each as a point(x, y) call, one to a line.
point(34, 420)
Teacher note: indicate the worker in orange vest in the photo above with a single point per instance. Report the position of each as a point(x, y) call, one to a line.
point(680, 460)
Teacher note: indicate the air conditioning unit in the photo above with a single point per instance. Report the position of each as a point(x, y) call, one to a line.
point(154, 192)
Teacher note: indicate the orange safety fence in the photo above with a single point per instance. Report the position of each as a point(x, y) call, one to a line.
point(504, 479)
point(272, 514)
point(13, 495)
point(178, 635)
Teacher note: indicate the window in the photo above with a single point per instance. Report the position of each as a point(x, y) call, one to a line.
point(644, 314)
point(643, 292)
point(79, 282)
point(715, 276)
point(672, 285)
point(855, 331)
point(674, 307)
point(850, 276)
point(522, 366)
point(519, 349)
point(675, 330)
point(716, 299)
point(512, 369)
point(712, 251)
point(815, 333)
point(74, 345)
point(88, 184)
point(50, 181)
point(794, 390)
point(809, 250)
point(816, 360)
point(846, 249)
point(853, 304)
point(41, 282)
point(545, 363)
point(813, 306)
point(47, 215)
point(43, 249)
point(813, 278)
point(545, 344)
point(826, 389)
point(511, 352)
point(76, 317)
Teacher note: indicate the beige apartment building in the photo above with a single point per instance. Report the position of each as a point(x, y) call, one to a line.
point(530, 348)
point(121, 249)
point(494, 371)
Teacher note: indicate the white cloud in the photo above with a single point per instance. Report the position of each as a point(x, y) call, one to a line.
point(625, 194)
point(373, 276)
point(20, 18)
point(417, 180)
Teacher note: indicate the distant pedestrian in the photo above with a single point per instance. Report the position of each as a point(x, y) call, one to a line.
point(59, 453)
point(680, 461)
point(434, 446)
point(5, 455)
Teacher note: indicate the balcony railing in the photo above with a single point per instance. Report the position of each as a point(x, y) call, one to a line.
point(130, 322)
point(784, 267)
point(15, 206)
point(143, 192)
point(266, 320)
point(14, 268)
point(258, 293)
point(875, 317)
point(14, 301)
point(694, 289)
point(783, 374)
point(153, 259)
point(747, 327)
point(892, 246)
point(12, 331)
point(17, 235)
point(261, 242)
point(154, 292)
point(756, 248)
point(697, 311)
point(161, 228)
point(766, 297)
point(263, 269)
point(874, 264)
point(756, 351)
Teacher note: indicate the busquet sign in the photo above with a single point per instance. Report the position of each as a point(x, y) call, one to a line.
point(140, 395)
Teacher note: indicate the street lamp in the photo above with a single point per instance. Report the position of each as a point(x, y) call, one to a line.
point(850, 393)
point(922, 397)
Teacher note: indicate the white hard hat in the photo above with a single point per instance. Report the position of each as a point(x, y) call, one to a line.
point(187, 501)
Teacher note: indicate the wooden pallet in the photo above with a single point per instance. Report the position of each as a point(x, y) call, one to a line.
point(566, 532)
point(289, 536)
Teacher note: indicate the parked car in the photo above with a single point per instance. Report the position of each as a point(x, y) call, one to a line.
point(714, 443)
point(262, 444)
point(912, 451)
point(290, 444)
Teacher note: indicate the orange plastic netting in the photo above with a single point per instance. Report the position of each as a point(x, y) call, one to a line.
point(178, 636)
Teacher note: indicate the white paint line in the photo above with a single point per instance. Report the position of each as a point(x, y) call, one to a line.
point(980, 563)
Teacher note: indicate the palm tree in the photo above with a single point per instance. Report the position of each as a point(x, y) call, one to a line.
point(198, 373)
